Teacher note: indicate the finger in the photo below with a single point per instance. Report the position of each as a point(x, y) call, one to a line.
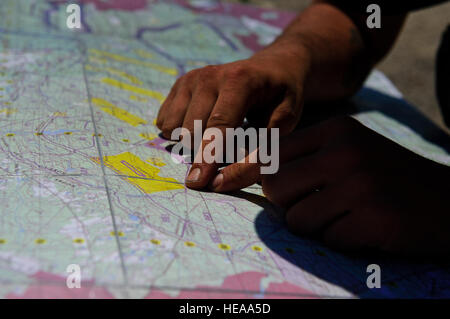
point(303, 175)
point(199, 108)
point(285, 116)
point(318, 210)
point(238, 175)
point(247, 172)
point(166, 104)
point(300, 143)
point(229, 111)
point(355, 231)
point(175, 114)
point(311, 139)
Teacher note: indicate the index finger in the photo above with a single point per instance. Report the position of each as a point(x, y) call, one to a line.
point(228, 112)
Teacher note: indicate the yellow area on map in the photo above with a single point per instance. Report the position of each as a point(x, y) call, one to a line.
point(119, 233)
point(8, 111)
point(40, 241)
point(135, 89)
point(224, 246)
point(148, 136)
point(94, 59)
point(156, 161)
point(59, 114)
point(121, 58)
point(155, 241)
point(120, 73)
point(257, 248)
point(141, 174)
point(144, 54)
point(138, 98)
point(116, 111)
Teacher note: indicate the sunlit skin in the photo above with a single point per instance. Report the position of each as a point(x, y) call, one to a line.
point(347, 184)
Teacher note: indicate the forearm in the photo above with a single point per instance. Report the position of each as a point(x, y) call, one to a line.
point(336, 49)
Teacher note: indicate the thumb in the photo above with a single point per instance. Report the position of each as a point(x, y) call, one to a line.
point(236, 176)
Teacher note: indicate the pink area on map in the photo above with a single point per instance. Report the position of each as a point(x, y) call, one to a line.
point(157, 144)
point(250, 41)
point(281, 19)
point(246, 281)
point(288, 288)
point(51, 286)
point(126, 5)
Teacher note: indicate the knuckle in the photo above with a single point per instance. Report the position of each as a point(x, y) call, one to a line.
point(177, 84)
point(168, 127)
point(286, 119)
point(159, 122)
point(206, 73)
point(189, 78)
point(190, 129)
point(184, 83)
point(269, 187)
point(218, 119)
point(288, 113)
point(209, 71)
point(237, 73)
point(238, 173)
point(205, 77)
point(166, 131)
point(180, 105)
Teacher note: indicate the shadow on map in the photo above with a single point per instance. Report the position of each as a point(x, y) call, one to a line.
point(398, 109)
point(399, 278)
point(369, 100)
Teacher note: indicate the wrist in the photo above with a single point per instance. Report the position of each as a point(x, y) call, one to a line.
point(289, 56)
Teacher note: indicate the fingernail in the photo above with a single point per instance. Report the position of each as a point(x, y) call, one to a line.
point(217, 180)
point(194, 175)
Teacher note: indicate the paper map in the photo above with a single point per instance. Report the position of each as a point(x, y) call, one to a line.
point(85, 178)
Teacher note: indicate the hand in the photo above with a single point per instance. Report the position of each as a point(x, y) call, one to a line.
point(357, 189)
point(266, 88)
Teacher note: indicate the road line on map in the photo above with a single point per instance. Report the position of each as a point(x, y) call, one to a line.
point(102, 165)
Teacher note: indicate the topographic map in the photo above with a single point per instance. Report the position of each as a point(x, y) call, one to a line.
point(85, 178)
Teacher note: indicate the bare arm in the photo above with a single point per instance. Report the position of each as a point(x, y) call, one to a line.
point(341, 49)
